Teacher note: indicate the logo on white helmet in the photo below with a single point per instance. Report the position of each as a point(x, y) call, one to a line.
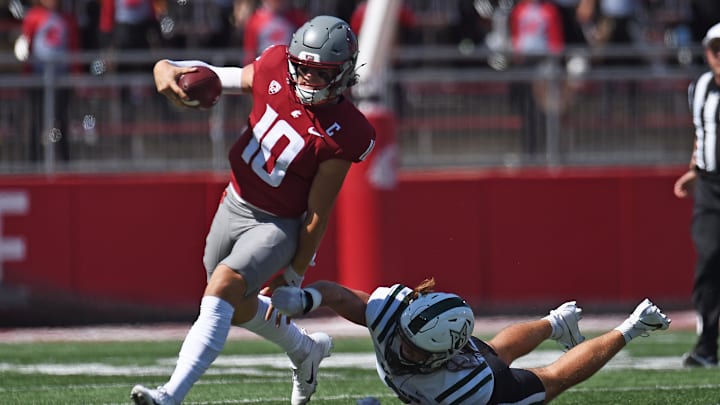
point(459, 338)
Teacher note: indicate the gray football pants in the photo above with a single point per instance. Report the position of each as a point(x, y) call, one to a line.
point(253, 243)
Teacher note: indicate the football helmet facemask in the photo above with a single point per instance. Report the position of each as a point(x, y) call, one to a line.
point(328, 44)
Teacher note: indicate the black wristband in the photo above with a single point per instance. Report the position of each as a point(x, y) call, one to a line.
point(308, 302)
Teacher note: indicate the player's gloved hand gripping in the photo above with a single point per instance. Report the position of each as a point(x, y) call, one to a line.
point(294, 301)
point(288, 278)
point(291, 302)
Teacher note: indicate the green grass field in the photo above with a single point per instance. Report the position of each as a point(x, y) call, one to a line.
point(255, 372)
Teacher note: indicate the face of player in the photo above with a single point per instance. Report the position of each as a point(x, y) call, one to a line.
point(314, 77)
point(410, 353)
point(712, 54)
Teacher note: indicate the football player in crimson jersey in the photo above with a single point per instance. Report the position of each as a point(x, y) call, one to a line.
point(426, 354)
point(286, 171)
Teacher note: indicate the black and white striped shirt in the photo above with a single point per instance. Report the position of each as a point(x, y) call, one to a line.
point(472, 385)
point(704, 98)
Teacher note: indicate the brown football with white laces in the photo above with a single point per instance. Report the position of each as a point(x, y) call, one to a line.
point(203, 87)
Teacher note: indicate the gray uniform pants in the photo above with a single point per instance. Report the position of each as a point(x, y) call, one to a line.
point(253, 243)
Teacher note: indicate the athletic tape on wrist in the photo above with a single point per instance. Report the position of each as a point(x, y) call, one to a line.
point(313, 298)
point(230, 76)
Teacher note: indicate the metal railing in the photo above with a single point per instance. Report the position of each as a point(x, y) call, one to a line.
point(453, 110)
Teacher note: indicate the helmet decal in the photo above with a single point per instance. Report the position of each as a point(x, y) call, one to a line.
point(459, 337)
point(310, 57)
point(433, 311)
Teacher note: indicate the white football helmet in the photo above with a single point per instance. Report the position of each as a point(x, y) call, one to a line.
point(324, 42)
point(438, 324)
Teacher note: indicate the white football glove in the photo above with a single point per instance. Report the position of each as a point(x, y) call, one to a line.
point(289, 300)
point(294, 301)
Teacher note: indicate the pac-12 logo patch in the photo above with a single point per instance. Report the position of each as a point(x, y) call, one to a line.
point(274, 87)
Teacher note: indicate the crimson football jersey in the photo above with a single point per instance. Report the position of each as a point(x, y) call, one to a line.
point(276, 158)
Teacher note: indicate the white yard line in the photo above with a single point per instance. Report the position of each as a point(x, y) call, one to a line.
point(335, 326)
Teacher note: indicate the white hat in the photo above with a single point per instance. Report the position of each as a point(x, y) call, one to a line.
point(713, 33)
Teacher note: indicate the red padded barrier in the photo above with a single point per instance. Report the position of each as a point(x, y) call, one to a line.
point(496, 237)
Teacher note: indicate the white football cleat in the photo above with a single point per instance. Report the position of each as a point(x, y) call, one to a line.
point(648, 317)
point(566, 316)
point(304, 376)
point(145, 396)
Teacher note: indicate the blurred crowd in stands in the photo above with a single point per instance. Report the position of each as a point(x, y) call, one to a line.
point(253, 24)
point(509, 33)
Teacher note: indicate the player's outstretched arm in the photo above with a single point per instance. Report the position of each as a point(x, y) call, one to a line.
point(234, 79)
point(346, 302)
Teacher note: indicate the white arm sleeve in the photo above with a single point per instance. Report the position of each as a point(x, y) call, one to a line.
point(230, 77)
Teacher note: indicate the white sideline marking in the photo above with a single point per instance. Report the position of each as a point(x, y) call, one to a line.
point(333, 325)
point(247, 365)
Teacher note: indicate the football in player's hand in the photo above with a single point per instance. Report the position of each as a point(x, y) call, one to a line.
point(202, 87)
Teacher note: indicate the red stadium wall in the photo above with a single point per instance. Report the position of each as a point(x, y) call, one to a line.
point(522, 237)
point(510, 238)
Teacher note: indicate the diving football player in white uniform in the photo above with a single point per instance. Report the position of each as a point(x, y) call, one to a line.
point(426, 353)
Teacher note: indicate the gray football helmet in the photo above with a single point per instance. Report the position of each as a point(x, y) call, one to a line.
point(325, 42)
point(437, 324)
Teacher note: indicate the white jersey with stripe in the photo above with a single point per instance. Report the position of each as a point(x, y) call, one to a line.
point(468, 385)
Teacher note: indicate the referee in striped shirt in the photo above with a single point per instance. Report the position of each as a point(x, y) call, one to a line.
point(703, 179)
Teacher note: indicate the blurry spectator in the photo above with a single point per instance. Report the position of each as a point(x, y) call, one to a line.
point(616, 26)
point(242, 11)
point(51, 36)
point(129, 24)
point(88, 17)
point(705, 13)
point(339, 8)
point(535, 33)
point(220, 21)
point(614, 22)
point(272, 23)
point(536, 29)
point(572, 28)
point(11, 16)
point(474, 22)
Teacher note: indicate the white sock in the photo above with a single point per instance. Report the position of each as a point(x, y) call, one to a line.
point(201, 347)
point(557, 330)
point(629, 331)
point(288, 336)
